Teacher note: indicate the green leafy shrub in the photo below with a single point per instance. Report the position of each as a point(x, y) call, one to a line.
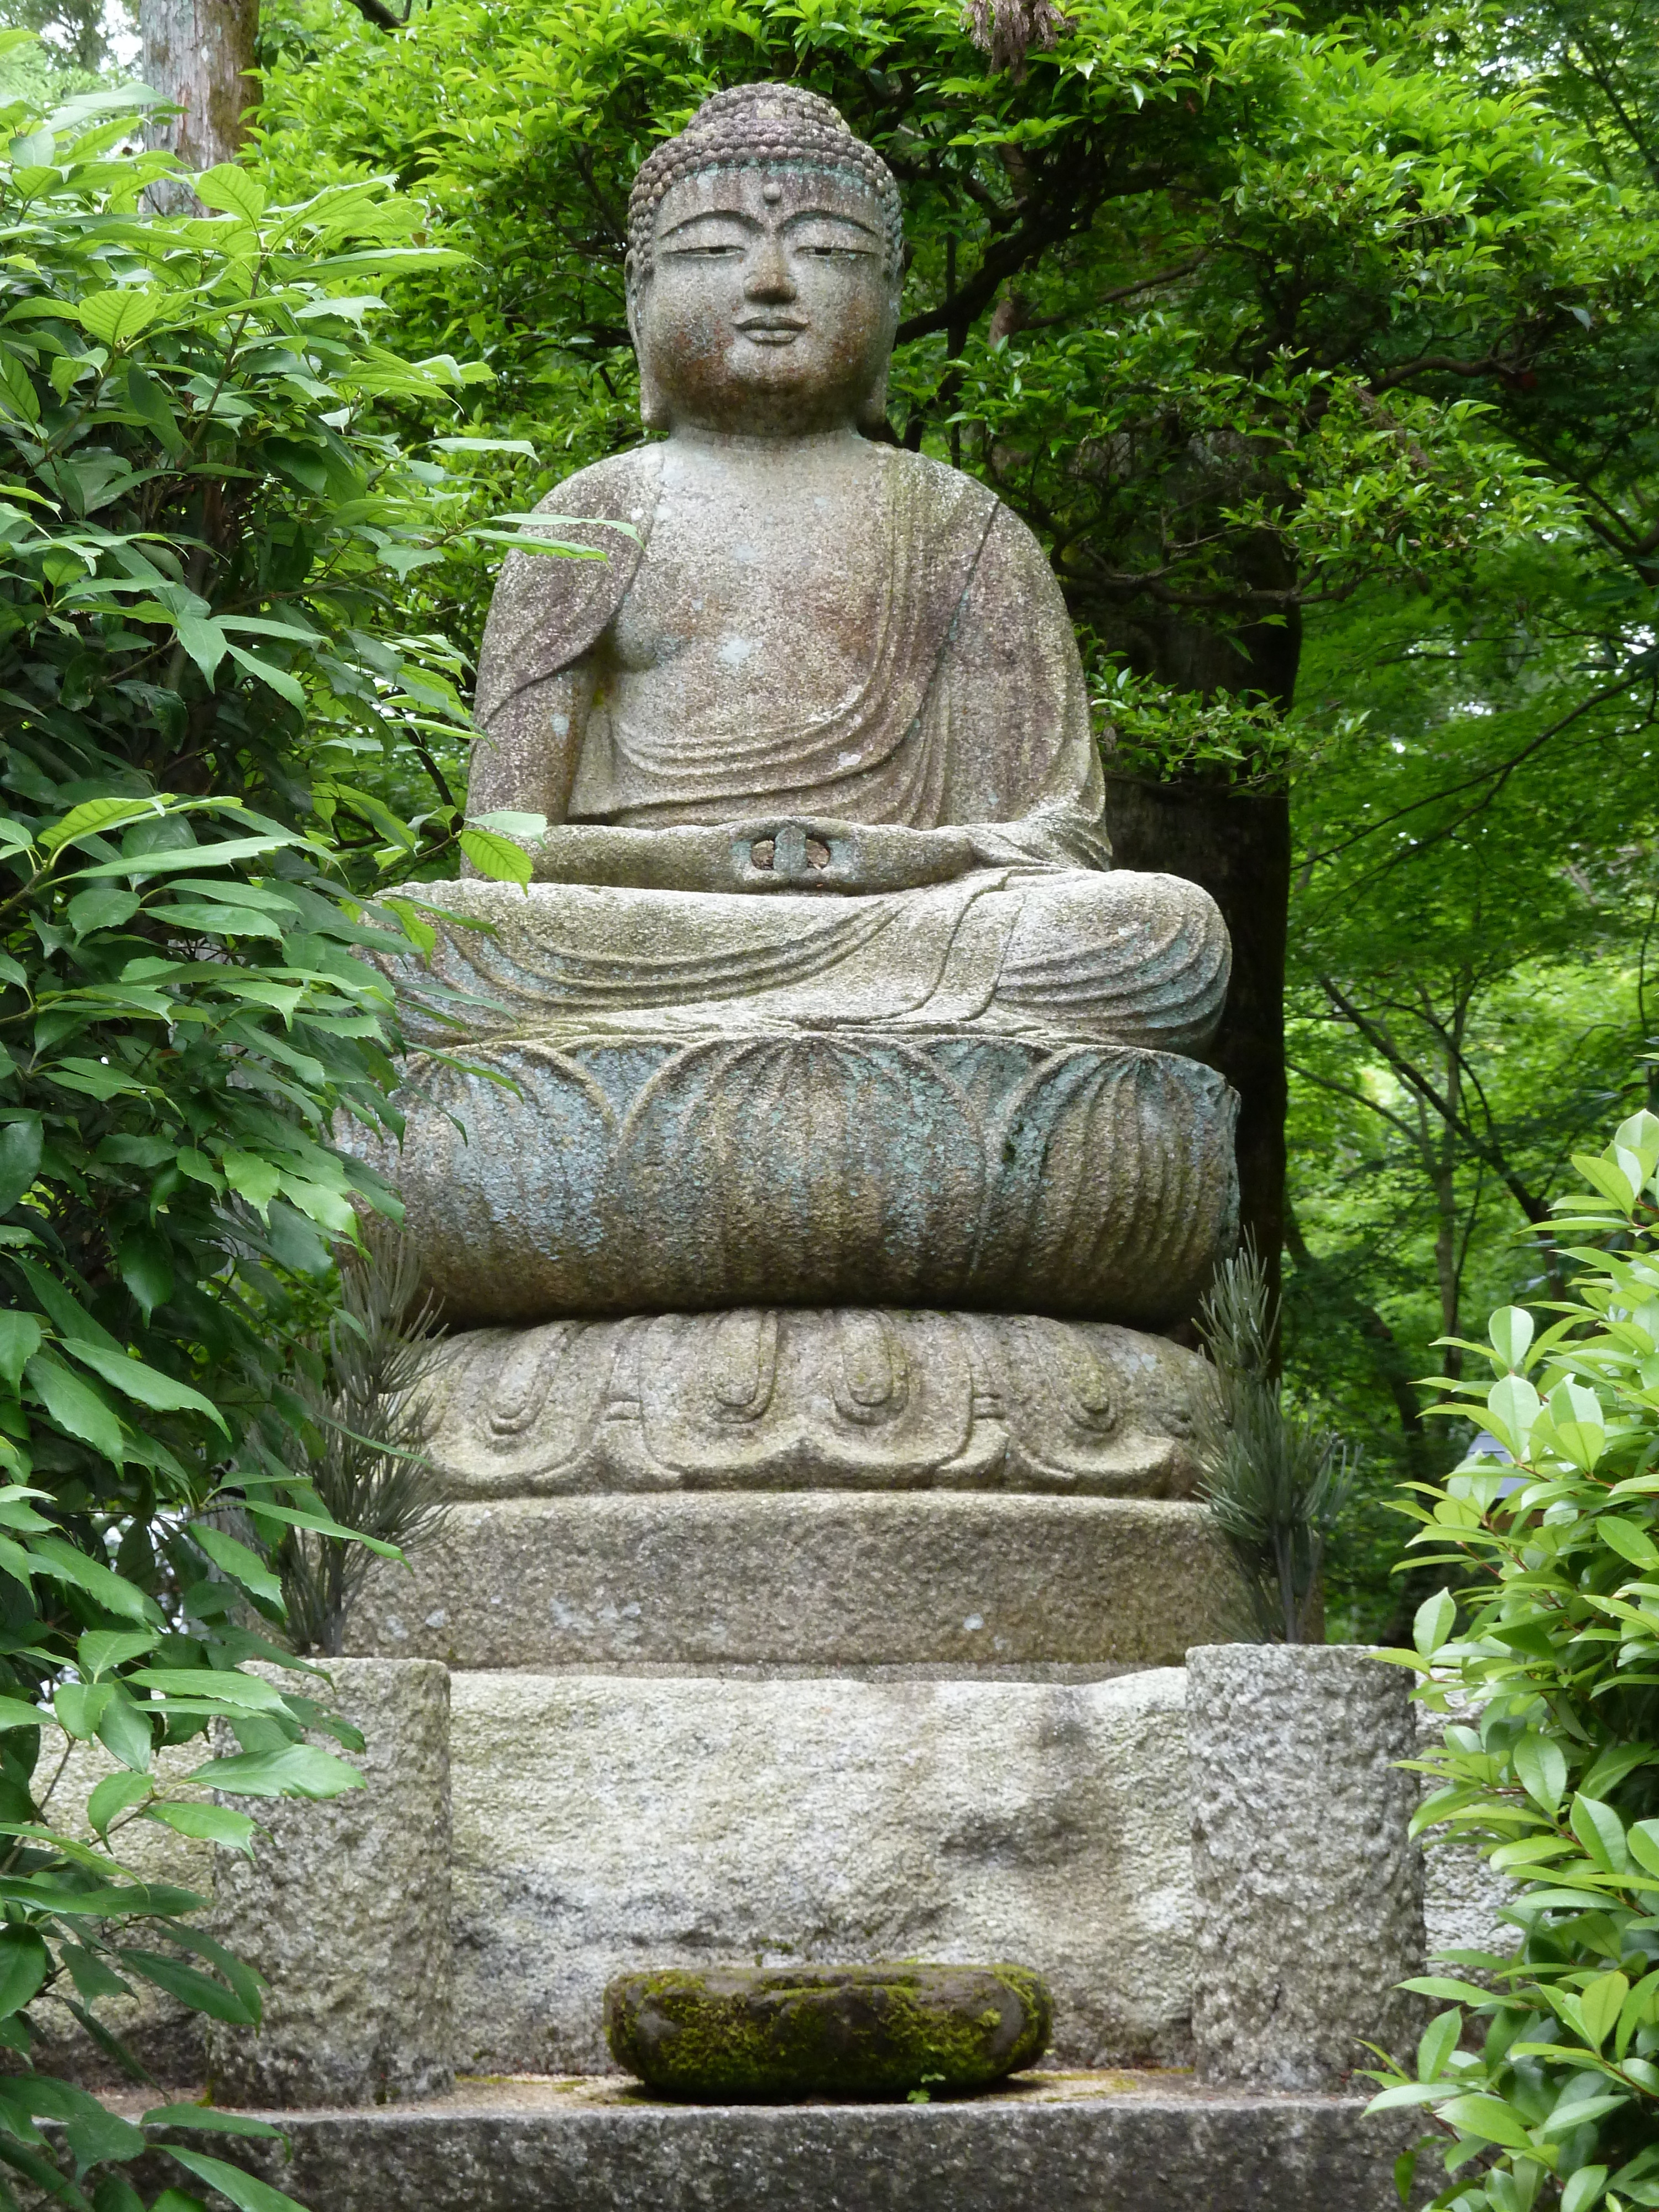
point(1546, 2084)
point(202, 535)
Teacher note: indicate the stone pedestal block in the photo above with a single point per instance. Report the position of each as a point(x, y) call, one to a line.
point(345, 1912)
point(961, 1580)
point(604, 1824)
point(1308, 1891)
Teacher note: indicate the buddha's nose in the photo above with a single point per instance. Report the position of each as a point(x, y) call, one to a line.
point(768, 276)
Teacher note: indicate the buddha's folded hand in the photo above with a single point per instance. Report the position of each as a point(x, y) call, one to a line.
point(793, 853)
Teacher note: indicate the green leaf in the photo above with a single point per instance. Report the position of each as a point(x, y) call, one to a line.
point(251, 1177)
point(103, 1648)
point(190, 1986)
point(148, 398)
point(1489, 2118)
point(25, 1962)
point(237, 1561)
point(117, 316)
point(104, 906)
point(211, 1824)
point(115, 1795)
point(20, 1164)
point(1599, 2005)
point(161, 1393)
point(299, 1769)
point(1601, 1833)
point(1438, 2041)
point(285, 685)
point(1542, 1768)
point(56, 1556)
point(211, 2120)
point(75, 1407)
point(494, 856)
point(1435, 1620)
point(96, 818)
point(126, 1732)
point(232, 190)
point(1511, 1329)
point(246, 2194)
point(234, 1691)
point(1584, 2189)
point(80, 1707)
point(1626, 1537)
point(202, 639)
point(20, 1340)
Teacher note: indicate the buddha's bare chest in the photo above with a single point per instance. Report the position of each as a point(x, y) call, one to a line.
point(772, 603)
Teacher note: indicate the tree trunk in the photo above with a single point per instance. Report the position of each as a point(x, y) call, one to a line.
point(1237, 845)
point(198, 56)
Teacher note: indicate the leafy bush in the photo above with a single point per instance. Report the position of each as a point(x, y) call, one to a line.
point(1546, 2085)
point(202, 535)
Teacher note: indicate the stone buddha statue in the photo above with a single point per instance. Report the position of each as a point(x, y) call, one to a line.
point(825, 994)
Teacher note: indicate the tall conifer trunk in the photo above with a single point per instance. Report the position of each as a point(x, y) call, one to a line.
point(198, 54)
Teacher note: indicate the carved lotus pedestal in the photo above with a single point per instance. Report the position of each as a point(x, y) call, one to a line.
point(822, 1523)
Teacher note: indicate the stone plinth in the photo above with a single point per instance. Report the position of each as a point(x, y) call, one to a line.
point(646, 1173)
point(769, 1398)
point(1111, 2143)
point(602, 1824)
point(807, 1579)
point(1308, 1890)
point(346, 1913)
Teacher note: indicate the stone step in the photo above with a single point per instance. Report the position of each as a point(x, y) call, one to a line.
point(1047, 2143)
point(807, 1578)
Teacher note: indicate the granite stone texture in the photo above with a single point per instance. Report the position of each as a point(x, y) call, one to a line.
point(605, 1824)
point(643, 1173)
point(345, 1912)
point(806, 1578)
point(768, 1399)
point(1114, 2146)
point(1308, 1891)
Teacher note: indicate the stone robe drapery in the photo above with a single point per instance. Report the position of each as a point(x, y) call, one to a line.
point(972, 711)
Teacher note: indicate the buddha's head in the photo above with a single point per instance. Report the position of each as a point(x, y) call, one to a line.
point(765, 257)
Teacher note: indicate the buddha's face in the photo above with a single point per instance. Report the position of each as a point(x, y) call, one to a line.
point(767, 308)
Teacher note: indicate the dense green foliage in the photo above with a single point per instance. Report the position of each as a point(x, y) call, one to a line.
point(202, 539)
point(1548, 1684)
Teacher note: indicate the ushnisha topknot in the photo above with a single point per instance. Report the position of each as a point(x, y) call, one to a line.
point(753, 126)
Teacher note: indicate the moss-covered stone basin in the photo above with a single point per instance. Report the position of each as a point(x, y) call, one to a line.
point(764, 2033)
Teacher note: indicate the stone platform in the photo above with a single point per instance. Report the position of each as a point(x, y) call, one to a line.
point(1117, 2143)
point(962, 1579)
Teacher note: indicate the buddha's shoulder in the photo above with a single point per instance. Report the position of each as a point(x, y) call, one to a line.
point(942, 494)
point(621, 487)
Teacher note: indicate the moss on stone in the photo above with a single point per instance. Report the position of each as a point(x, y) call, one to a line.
point(745, 2035)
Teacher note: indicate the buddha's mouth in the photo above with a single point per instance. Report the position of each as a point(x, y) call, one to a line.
point(773, 329)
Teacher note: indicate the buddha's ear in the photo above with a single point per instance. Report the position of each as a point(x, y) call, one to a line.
point(872, 415)
point(653, 408)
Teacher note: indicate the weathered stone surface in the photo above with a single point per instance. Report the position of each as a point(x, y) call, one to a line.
point(603, 1821)
point(743, 2034)
point(606, 1175)
point(345, 1912)
point(1308, 1890)
point(764, 1398)
point(807, 1578)
point(1113, 2145)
